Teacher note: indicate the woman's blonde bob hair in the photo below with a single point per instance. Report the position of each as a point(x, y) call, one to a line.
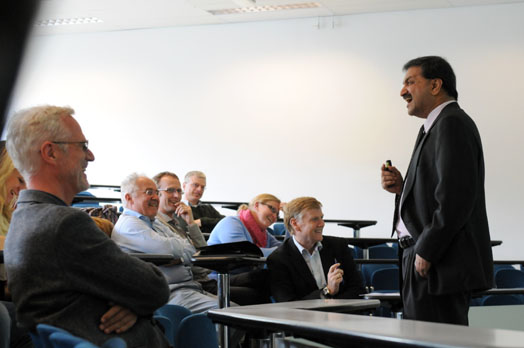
point(261, 198)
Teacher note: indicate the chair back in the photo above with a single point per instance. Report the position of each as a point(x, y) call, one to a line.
point(54, 337)
point(382, 251)
point(41, 339)
point(64, 340)
point(369, 268)
point(170, 316)
point(500, 300)
point(509, 278)
point(358, 253)
point(386, 279)
point(279, 229)
point(196, 330)
point(115, 342)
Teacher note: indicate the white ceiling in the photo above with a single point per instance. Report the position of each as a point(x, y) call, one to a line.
point(140, 14)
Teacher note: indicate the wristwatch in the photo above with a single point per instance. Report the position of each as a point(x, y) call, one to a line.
point(325, 292)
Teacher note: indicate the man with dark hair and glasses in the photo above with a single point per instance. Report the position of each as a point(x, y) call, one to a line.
point(62, 269)
point(139, 231)
point(440, 207)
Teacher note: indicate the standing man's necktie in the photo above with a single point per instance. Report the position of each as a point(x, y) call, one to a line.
point(420, 136)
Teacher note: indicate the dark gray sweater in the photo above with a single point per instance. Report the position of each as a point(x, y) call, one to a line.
point(66, 272)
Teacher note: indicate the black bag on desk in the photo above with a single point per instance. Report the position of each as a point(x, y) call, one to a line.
point(243, 248)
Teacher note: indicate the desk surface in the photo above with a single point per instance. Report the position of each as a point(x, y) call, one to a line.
point(395, 296)
point(365, 243)
point(349, 328)
point(226, 263)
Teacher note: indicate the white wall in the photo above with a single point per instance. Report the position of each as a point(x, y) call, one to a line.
point(288, 107)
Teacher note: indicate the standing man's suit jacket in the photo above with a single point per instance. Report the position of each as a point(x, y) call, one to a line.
point(291, 279)
point(443, 205)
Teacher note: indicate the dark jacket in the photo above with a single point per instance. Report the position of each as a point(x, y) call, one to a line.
point(291, 279)
point(444, 206)
point(64, 271)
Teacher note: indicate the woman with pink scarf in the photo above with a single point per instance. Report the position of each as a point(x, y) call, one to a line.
point(251, 224)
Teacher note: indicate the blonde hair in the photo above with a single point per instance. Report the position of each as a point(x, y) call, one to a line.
point(296, 207)
point(261, 198)
point(6, 209)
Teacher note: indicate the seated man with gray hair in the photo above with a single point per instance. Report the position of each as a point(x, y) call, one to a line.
point(206, 216)
point(62, 269)
point(309, 265)
point(137, 230)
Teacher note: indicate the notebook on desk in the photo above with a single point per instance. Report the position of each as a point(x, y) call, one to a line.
point(157, 259)
point(244, 248)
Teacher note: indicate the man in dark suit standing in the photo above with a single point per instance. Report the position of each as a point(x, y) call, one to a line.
point(308, 265)
point(440, 211)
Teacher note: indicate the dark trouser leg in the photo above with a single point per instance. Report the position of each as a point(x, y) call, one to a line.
point(420, 305)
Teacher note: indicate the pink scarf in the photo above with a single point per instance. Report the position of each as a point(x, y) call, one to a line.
point(259, 235)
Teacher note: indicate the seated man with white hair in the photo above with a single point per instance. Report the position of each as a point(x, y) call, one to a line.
point(137, 230)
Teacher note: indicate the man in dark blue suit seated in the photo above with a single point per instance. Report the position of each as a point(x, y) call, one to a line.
point(308, 265)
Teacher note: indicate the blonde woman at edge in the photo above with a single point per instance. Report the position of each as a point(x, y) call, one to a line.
point(250, 224)
point(11, 183)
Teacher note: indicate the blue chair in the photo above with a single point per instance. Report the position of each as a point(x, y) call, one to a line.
point(170, 316)
point(509, 278)
point(67, 340)
point(497, 267)
point(475, 301)
point(500, 300)
point(369, 268)
point(53, 337)
point(93, 204)
point(382, 251)
point(41, 339)
point(385, 280)
point(357, 252)
point(196, 330)
point(89, 345)
point(279, 229)
point(64, 340)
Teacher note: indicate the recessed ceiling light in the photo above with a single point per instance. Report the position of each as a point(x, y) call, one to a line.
point(255, 9)
point(67, 21)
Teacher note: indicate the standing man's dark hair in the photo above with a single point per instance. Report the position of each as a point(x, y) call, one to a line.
point(434, 67)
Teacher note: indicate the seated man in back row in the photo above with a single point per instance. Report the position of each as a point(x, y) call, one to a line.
point(137, 230)
point(308, 265)
point(206, 217)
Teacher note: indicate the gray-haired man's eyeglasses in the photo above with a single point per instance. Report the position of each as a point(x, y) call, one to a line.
point(172, 190)
point(85, 144)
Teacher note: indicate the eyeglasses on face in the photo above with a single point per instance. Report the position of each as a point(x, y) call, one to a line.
point(172, 190)
point(271, 208)
point(84, 144)
point(150, 192)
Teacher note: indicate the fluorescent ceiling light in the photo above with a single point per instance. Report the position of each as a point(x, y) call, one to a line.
point(255, 9)
point(67, 21)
